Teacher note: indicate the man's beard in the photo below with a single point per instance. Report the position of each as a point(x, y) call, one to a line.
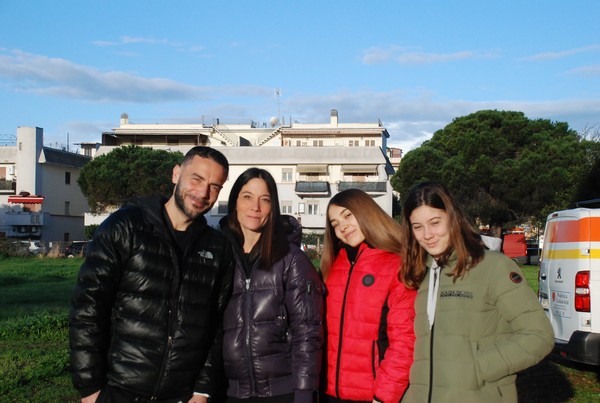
point(180, 203)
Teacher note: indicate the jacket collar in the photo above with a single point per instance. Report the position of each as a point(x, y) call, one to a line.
point(451, 261)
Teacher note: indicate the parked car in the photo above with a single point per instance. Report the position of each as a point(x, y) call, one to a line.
point(514, 246)
point(77, 248)
point(26, 248)
point(35, 247)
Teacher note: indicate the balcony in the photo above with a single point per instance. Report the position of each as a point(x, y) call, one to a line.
point(313, 188)
point(24, 218)
point(24, 224)
point(368, 187)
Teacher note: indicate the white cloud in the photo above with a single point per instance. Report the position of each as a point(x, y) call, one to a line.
point(134, 40)
point(562, 54)
point(587, 71)
point(42, 75)
point(412, 118)
point(403, 55)
point(409, 116)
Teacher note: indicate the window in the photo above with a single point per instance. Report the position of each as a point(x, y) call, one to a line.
point(312, 177)
point(222, 208)
point(358, 177)
point(353, 143)
point(67, 178)
point(287, 174)
point(313, 208)
point(286, 207)
point(317, 143)
point(67, 208)
point(370, 143)
point(298, 143)
point(300, 208)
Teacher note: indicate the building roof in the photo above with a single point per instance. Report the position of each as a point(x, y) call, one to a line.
point(303, 155)
point(60, 157)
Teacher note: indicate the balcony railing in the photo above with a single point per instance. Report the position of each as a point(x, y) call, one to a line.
point(316, 188)
point(369, 187)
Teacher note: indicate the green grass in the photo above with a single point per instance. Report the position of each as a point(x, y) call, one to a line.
point(28, 285)
point(34, 301)
point(34, 366)
point(531, 275)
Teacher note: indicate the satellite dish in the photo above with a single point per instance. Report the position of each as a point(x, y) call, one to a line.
point(274, 121)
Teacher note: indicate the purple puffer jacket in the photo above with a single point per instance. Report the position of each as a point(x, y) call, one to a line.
point(273, 326)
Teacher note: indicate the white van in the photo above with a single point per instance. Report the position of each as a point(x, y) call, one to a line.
point(569, 282)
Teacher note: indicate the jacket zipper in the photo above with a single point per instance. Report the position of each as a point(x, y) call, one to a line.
point(172, 307)
point(430, 392)
point(309, 288)
point(339, 356)
point(247, 338)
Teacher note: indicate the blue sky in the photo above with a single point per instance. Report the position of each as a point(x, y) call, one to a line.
point(72, 67)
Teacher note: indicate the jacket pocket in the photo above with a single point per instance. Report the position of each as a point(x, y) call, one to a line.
point(374, 357)
point(311, 297)
point(478, 376)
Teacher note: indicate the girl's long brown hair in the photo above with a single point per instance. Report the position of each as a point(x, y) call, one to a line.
point(380, 230)
point(465, 240)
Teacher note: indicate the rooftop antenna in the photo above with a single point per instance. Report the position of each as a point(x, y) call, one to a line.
point(278, 95)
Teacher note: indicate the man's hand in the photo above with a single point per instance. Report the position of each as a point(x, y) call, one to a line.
point(91, 398)
point(198, 399)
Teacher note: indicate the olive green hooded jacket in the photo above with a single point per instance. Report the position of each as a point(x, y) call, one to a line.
point(488, 326)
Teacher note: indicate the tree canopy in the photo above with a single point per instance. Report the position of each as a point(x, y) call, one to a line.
point(505, 168)
point(126, 172)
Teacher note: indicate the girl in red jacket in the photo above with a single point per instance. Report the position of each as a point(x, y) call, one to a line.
point(369, 312)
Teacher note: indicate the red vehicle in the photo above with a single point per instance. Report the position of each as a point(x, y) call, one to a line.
point(514, 245)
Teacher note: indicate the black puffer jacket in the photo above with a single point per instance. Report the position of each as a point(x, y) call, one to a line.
point(143, 320)
point(273, 326)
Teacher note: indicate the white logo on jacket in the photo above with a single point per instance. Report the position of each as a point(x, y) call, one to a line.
point(205, 254)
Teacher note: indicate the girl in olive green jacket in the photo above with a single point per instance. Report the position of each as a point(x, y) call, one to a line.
point(477, 321)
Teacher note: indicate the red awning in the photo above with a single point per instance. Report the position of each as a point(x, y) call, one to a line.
point(26, 199)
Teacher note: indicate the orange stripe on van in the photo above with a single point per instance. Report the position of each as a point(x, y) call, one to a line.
point(586, 229)
point(571, 254)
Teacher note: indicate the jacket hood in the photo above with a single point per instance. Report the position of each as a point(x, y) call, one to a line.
point(293, 229)
point(153, 208)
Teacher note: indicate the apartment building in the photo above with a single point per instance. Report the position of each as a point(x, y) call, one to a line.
point(310, 162)
point(39, 195)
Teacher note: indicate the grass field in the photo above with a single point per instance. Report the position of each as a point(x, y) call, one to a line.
point(34, 366)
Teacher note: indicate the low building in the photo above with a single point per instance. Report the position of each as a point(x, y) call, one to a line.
point(39, 195)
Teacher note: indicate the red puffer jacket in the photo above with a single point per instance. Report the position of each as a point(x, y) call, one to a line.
point(373, 312)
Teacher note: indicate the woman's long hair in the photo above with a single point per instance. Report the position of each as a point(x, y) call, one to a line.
point(380, 230)
point(272, 244)
point(465, 240)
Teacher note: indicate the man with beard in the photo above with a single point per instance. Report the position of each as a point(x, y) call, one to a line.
point(145, 321)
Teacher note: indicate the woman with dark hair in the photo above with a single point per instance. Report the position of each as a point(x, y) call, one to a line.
point(273, 332)
point(477, 321)
point(369, 311)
